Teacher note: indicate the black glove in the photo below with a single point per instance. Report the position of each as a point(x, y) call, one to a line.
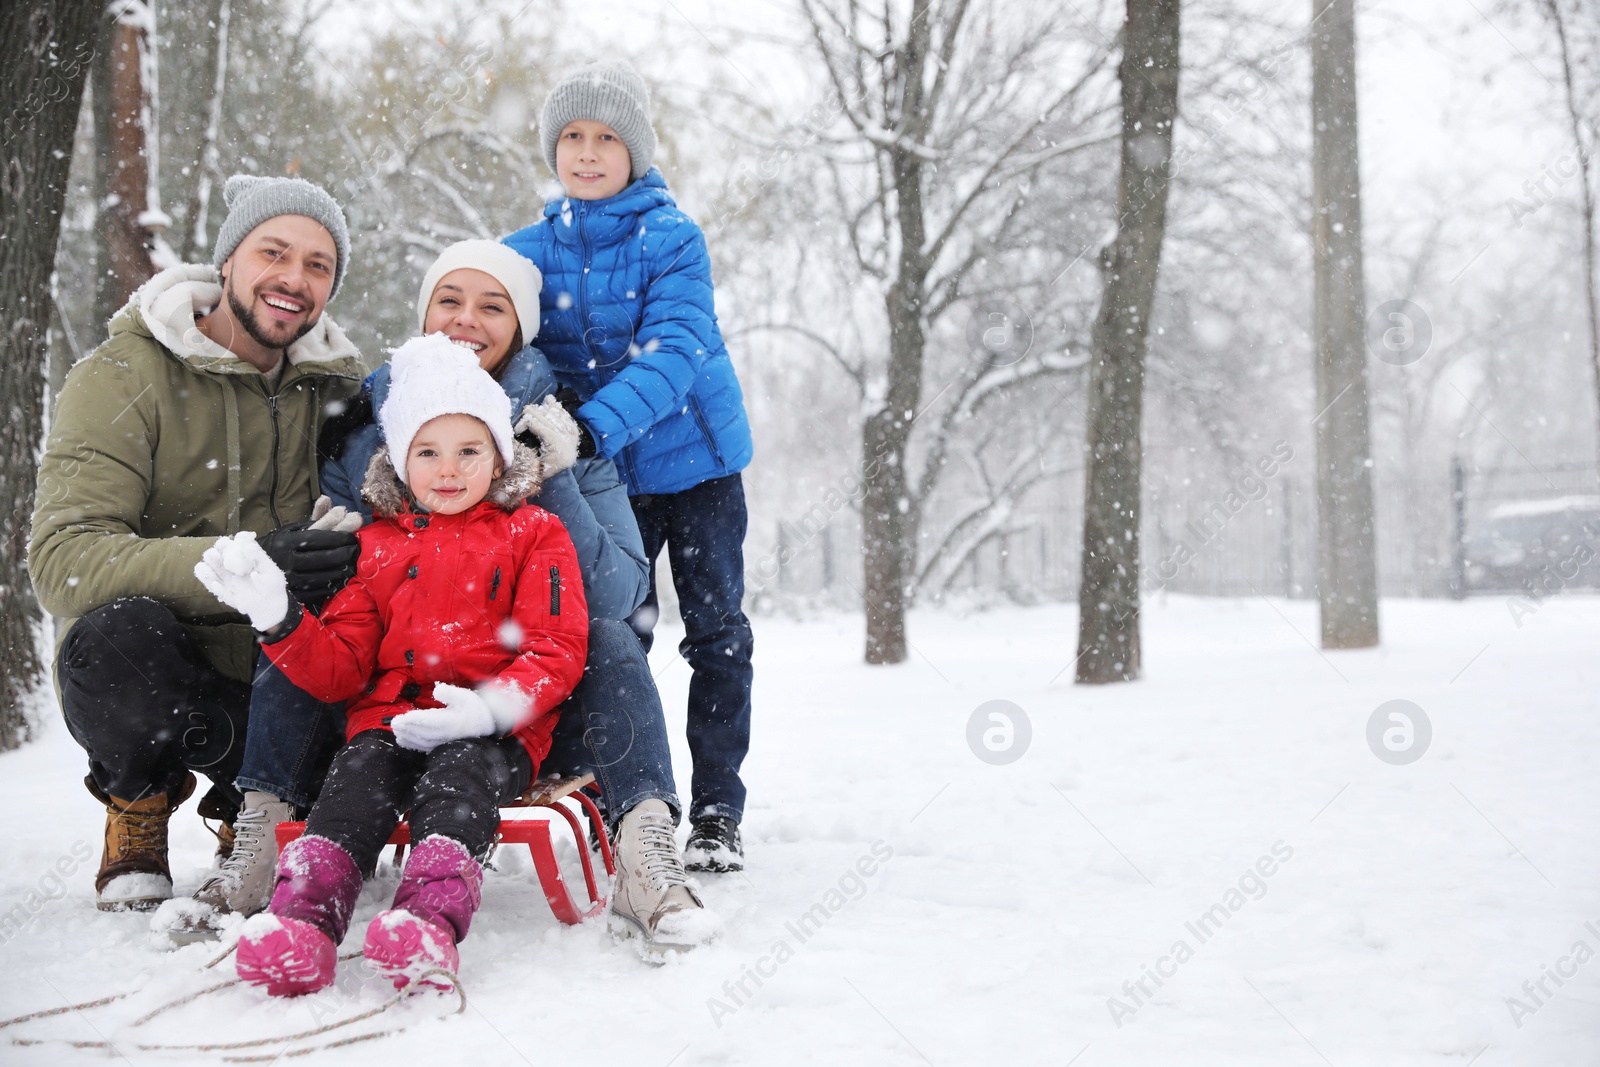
point(315, 563)
point(568, 398)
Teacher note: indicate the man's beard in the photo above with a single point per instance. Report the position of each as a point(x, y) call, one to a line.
point(252, 325)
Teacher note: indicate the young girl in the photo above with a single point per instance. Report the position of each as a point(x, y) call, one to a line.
point(629, 324)
point(463, 630)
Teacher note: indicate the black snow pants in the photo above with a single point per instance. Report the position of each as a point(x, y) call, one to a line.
point(146, 706)
point(456, 791)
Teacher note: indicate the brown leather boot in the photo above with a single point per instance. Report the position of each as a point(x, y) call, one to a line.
point(214, 807)
point(134, 875)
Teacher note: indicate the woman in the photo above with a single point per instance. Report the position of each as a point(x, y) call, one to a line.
point(479, 294)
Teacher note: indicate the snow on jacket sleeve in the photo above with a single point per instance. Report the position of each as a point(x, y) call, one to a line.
point(592, 503)
point(333, 657)
point(553, 616)
point(87, 547)
point(677, 333)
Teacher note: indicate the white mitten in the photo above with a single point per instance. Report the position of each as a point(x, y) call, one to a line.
point(241, 575)
point(324, 516)
point(466, 713)
point(556, 432)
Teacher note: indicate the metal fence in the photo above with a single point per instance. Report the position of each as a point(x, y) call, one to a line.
point(1196, 539)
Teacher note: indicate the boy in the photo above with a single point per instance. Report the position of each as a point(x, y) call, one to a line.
point(629, 325)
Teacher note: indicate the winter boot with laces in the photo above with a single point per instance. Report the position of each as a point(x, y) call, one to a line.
point(433, 908)
point(714, 845)
point(292, 948)
point(651, 900)
point(134, 873)
point(243, 884)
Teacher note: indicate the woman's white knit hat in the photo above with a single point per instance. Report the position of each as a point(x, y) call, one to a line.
point(432, 376)
point(513, 270)
point(611, 92)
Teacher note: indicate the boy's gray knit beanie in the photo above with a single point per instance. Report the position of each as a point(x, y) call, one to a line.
point(252, 201)
point(611, 92)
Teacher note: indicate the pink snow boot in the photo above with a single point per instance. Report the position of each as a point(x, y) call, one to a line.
point(292, 947)
point(433, 908)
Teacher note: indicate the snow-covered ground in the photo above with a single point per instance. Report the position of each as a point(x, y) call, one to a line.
point(1222, 824)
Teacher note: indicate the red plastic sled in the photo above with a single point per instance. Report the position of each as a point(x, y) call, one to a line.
point(535, 833)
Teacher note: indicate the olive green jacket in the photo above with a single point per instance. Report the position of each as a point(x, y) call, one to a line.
point(162, 441)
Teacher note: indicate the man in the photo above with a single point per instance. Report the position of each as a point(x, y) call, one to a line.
point(198, 418)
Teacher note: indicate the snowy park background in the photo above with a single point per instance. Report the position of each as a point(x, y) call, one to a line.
point(1020, 898)
point(1432, 913)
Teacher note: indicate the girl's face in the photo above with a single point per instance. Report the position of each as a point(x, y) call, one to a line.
point(591, 160)
point(450, 464)
point(473, 310)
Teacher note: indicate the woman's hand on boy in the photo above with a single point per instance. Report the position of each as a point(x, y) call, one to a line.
point(552, 432)
point(239, 573)
point(569, 399)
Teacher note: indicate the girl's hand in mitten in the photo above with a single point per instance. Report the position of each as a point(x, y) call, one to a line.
point(464, 715)
point(488, 712)
point(239, 573)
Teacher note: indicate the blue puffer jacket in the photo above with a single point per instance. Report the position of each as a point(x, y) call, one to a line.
point(627, 321)
point(589, 499)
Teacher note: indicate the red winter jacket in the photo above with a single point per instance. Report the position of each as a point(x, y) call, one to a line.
point(484, 595)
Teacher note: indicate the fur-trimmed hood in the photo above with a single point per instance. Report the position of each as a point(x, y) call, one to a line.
point(165, 308)
point(388, 497)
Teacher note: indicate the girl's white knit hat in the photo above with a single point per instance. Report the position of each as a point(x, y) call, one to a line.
point(432, 376)
point(511, 269)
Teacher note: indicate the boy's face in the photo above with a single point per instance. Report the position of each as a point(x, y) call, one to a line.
point(591, 160)
point(450, 464)
point(473, 310)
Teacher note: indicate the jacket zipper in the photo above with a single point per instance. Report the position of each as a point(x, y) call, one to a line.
point(705, 430)
point(625, 462)
point(494, 587)
point(272, 492)
point(555, 590)
point(583, 281)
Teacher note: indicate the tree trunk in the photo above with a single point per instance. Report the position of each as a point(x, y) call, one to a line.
point(122, 108)
point(887, 503)
point(1347, 565)
point(1586, 196)
point(197, 249)
point(45, 51)
point(1108, 596)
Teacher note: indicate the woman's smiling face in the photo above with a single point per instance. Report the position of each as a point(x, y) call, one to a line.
point(473, 310)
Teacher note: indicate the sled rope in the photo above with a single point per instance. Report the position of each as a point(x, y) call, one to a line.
point(59, 1011)
point(411, 990)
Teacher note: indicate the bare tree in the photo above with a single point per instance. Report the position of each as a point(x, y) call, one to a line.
point(127, 154)
point(45, 50)
point(1347, 560)
point(1108, 597)
point(926, 94)
point(207, 167)
point(1585, 141)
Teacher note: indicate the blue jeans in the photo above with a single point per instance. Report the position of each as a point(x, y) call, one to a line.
point(291, 740)
point(703, 530)
point(612, 724)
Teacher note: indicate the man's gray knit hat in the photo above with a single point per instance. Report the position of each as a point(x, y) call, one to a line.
point(611, 92)
point(252, 201)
